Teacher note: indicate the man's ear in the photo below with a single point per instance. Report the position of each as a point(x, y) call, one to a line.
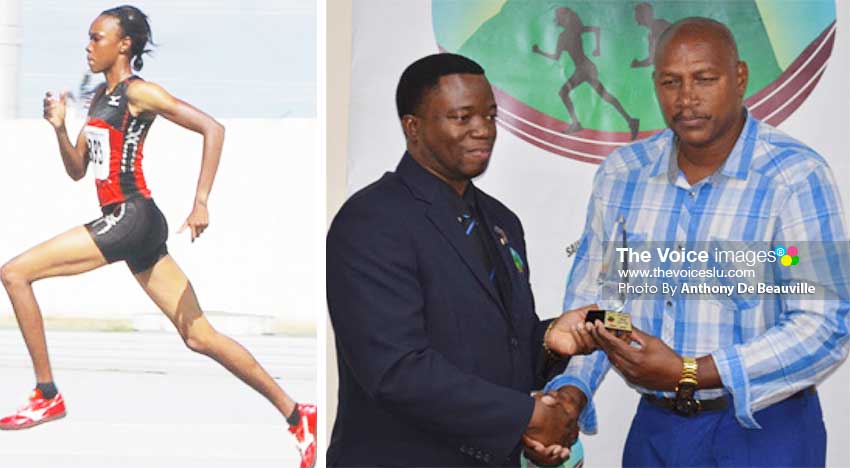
point(410, 126)
point(743, 78)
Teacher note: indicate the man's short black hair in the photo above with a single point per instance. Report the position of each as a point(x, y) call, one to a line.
point(424, 74)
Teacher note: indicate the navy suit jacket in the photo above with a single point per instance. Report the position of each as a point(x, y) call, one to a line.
point(433, 369)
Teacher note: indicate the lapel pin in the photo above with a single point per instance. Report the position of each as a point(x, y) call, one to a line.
point(520, 267)
point(503, 238)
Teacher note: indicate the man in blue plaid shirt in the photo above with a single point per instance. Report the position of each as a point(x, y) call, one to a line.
point(725, 382)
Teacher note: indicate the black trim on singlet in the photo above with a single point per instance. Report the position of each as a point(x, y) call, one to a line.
point(134, 137)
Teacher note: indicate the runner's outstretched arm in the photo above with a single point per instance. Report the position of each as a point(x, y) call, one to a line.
point(555, 56)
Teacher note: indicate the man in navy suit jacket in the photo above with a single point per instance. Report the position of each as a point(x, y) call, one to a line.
point(428, 290)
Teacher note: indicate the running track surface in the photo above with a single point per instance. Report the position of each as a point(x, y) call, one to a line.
point(143, 399)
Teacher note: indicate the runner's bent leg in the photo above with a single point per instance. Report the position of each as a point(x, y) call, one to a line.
point(170, 289)
point(69, 253)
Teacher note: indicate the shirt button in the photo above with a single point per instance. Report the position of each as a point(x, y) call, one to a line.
point(669, 303)
point(692, 194)
point(514, 342)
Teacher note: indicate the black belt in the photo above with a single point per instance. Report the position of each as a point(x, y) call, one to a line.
point(715, 404)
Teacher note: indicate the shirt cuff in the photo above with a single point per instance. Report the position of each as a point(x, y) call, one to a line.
point(730, 366)
point(587, 418)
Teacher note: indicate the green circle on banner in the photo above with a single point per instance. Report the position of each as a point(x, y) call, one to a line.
point(786, 45)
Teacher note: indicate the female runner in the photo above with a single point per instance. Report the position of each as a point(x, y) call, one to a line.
point(132, 228)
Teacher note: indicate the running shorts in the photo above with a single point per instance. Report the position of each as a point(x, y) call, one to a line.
point(134, 231)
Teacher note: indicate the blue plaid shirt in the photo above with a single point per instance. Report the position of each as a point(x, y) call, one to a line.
point(771, 189)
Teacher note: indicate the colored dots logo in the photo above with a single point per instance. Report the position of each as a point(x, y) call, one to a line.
point(787, 257)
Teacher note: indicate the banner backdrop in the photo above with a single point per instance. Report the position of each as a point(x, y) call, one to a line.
point(573, 82)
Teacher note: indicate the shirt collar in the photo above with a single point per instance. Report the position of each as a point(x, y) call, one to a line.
point(737, 164)
point(463, 204)
point(662, 165)
point(427, 187)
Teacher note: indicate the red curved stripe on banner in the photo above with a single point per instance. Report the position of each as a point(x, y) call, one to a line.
point(790, 86)
point(559, 151)
point(780, 116)
point(525, 124)
point(592, 147)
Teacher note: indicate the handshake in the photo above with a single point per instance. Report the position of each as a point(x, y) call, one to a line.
point(553, 428)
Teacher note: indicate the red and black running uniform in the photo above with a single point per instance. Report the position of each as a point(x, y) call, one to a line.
point(132, 228)
point(115, 140)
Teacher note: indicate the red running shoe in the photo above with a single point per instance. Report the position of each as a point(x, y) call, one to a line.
point(36, 412)
point(305, 435)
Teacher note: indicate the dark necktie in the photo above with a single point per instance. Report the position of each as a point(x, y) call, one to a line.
point(477, 231)
point(472, 229)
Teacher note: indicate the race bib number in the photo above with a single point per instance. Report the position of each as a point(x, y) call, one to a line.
point(98, 143)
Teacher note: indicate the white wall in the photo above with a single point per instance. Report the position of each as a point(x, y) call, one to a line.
point(258, 256)
point(10, 47)
point(233, 59)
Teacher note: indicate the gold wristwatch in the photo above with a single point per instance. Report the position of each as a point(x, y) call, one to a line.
point(685, 403)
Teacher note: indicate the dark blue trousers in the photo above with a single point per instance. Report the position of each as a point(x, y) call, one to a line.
point(792, 434)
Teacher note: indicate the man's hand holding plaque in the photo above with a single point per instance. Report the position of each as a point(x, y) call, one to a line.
point(651, 365)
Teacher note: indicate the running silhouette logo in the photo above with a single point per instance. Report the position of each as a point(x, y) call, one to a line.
point(787, 257)
point(574, 77)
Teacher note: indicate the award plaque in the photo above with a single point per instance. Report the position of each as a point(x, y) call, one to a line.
point(611, 320)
